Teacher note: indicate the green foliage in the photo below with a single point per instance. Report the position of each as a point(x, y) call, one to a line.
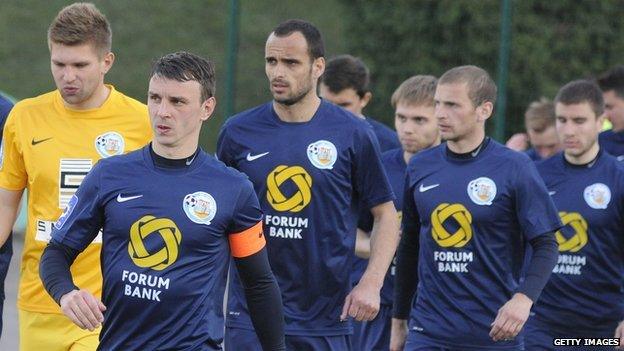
point(552, 42)
point(144, 30)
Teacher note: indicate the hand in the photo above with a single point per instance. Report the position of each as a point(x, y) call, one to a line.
point(518, 142)
point(511, 318)
point(619, 333)
point(398, 334)
point(84, 309)
point(362, 303)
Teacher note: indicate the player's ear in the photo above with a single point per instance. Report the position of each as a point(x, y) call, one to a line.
point(107, 62)
point(208, 108)
point(366, 99)
point(318, 67)
point(484, 111)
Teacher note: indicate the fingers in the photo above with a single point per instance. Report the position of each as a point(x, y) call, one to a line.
point(505, 327)
point(362, 310)
point(345, 308)
point(83, 309)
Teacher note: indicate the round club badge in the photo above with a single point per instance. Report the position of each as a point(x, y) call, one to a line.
point(482, 191)
point(200, 207)
point(322, 154)
point(597, 196)
point(109, 144)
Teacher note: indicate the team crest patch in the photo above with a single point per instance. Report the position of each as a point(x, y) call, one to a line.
point(68, 210)
point(200, 207)
point(597, 196)
point(109, 144)
point(482, 191)
point(322, 154)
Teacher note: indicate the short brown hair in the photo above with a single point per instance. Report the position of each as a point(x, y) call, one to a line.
point(580, 91)
point(481, 88)
point(540, 115)
point(81, 23)
point(416, 90)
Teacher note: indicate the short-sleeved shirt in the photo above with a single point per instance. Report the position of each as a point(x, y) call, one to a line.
point(613, 143)
point(310, 178)
point(48, 148)
point(167, 240)
point(586, 290)
point(474, 215)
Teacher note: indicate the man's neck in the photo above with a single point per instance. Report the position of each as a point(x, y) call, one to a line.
point(301, 111)
point(584, 158)
point(468, 142)
point(174, 152)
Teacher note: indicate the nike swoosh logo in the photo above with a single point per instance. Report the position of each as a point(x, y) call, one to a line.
point(35, 142)
point(124, 199)
point(551, 193)
point(255, 157)
point(422, 188)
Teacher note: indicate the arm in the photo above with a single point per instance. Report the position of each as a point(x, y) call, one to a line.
point(263, 299)
point(363, 301)
point(512, 316)
point(405, 281)
point(362, 244)
point(84, 309)
point(9, 205)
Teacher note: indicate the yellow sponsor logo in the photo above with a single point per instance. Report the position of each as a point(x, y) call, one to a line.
point(460, 214)
point(297, 201)
point(165, 256)
point(579, 225)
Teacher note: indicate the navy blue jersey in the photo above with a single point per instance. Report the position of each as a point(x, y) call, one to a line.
point(474, 214)
point(165, 246)
point(613, 143)
point(395, 166)
point(6, 251)
point(533, 155)
point(310, 178)
point(387, 137)
point(586, 290)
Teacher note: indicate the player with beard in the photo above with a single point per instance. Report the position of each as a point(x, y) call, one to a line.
point(312, 164)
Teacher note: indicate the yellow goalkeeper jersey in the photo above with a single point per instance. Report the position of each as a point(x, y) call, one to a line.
point(48, 149)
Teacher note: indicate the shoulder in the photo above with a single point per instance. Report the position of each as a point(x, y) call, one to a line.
point(129, 159)
point(607, 134)
point(248, 117)
point(127, 102)
point(35, 102)
point(221, 170)
point(391, 154)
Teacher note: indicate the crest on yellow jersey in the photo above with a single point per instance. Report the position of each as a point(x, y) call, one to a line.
point(109, 144)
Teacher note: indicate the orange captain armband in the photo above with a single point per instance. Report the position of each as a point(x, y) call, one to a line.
point(247, 242)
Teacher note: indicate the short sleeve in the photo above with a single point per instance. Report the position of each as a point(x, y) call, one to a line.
point(535, 209)
point(245, 232)
point(224, 153)
point(370, 179)
point(13, 174)
point(84, 216)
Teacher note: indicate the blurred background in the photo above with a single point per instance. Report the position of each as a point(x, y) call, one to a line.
point(530, 47)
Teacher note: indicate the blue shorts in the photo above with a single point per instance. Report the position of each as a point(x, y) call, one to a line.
point(416, 342)
point(373, 335)
point(539, 336)
point(238, 339)
point(6, 251)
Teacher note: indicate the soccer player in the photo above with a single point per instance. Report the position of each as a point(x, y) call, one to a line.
point(417, 128)
point(50, 143)
point(312, 164)
point(612, 85)
point(469, 205)
point(166, 248)
point(6, 250)
point(345, 83)
point(585, 294)
point(539, 121)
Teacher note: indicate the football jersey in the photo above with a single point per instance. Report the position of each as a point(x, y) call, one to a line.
point(395, 167)
point(165, 248)
point(533, 155)
point(386, 137)
point(310, 178)
point(586, 290)
point(48, 148)
point(613, 143)
point(474, 215)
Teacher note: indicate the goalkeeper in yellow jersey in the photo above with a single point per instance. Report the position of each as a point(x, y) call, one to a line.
point(50, 143)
